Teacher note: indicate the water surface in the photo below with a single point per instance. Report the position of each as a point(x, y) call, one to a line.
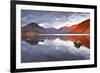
point(54, 48)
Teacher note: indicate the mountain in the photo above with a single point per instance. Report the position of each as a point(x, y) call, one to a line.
point(31, 31)
point(52, 30)
point(83, 27)
point(63, 30)
point(33, 27)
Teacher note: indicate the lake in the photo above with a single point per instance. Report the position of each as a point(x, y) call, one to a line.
point(46, 48)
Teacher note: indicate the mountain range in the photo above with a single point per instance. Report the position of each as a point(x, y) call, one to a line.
point(30, 32)
point(83, 28)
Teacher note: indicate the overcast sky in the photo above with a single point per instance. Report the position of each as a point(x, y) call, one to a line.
point(52, 19)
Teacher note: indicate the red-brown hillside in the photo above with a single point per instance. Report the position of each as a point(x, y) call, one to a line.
point(83, 27)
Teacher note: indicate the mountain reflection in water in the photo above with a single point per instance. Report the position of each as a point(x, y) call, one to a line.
point(54, 48)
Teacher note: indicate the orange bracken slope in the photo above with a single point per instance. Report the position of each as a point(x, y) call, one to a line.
point(82, 28)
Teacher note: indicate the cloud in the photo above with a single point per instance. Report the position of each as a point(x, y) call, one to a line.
point(52, 19)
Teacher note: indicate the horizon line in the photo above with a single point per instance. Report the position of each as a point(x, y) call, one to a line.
point(65, 34)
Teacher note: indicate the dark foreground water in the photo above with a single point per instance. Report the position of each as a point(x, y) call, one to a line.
point(52, 48)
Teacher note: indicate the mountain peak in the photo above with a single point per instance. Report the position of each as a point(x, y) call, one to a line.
point(83, 27)
point(32, 24)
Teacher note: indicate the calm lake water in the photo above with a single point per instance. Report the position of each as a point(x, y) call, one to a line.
point(53, 48)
